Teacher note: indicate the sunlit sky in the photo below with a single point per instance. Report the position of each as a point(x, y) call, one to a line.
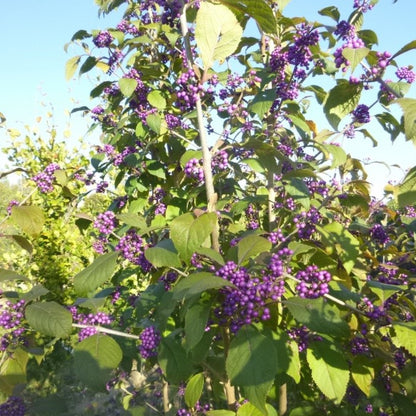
point(32, 74)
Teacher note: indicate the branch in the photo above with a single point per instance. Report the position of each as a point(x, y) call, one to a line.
point(9, 172)
point(107, 331)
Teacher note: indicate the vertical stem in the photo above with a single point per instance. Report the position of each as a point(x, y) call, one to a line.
point(282, 399)
point(272, 201)
point(206, 154)
point(166, 406)
point(229, 389)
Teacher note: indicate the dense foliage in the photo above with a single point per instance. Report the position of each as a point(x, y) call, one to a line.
point(241, 266)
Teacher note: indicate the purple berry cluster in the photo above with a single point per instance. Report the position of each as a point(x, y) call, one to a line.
point(306, 221)
point(313, 283)
point(363, 5)
point(11, 204)
point(156, 199)
point(351, 43)
point(149, 341)
point(247, 302)
point(193, 169)
point(389, 274)
point(359, 346)
point(252, 217)
point(132, 247)
point(345, 30)
point(11, 317)
point(220, 160)
point(103, 39)
point(99, 318)
point(189, 91)
point(379, 234)
point(168, 279)
point(44, 180)
point(406, 74)
point(106, 222)
point(276, 237)
point(13, 406)
point(301, 336)
point(361, 114)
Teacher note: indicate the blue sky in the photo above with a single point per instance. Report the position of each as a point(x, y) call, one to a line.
point(32, 73)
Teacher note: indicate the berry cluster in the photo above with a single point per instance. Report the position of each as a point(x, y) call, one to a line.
point(361, 114)
point(405, 73)
point(276, 237)
point(220, 160)
point(149, 341)
point(313, 282)
point(247, 302)
point(100, 318)
point(14, 406)
point(379, 234)
point(156, 199)
point(44, 180)
point(301, 336)
point(252, 217)
point(12, 203)
point(345, 30)
point(305, 222)
point(103, 39)
point(132, 247)
point(363, 5)
point(168, 279)
point(193, 169)
point(189, 91)
point(106, 222)
point(351, 43)
point(11, 316)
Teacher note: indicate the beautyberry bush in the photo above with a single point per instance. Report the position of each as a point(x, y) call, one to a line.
point(241, 265)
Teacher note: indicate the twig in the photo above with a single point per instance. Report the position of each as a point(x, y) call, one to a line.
point(107, 331)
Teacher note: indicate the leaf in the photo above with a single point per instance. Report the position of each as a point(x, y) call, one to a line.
point(22, 242)
point(341, 100)
point(49, 318)
point(405, 336)
point(329, 370)
point(88, 64)
point(248, 409)
point(95, 358)
point(362, 373)
point(259, 10)
point(163, 255)
point(408, 47)
point(174, 361)
point(262, 102)
point(154, 121)
point(193, 389)
point(156, 99)
point(217, 33)
point(127, 86)
point(355, 56)
point(252, 358)
point(71, 67)
point(96, 273)
point(406, 191)
point(197, 283)
point(298, 190)
point(318, 316)
point(330, 11)
point(29, 218)
point(221, 412)
point(196, 319)
point(251, 246)
point(408, 106)
point(189, 233)
point(257, 397)
point(13, 371)
point(345, 244)
point(6, 275)
point(133, 220)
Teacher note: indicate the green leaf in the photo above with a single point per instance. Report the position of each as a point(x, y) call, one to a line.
point(29, 218)
point(196, 319)
point(408, 47)
point(133, 220)
point(405, 336)
point(96, 273)
point(306, 410)
point(257, 397)
point(406, 191)
point(22, 242)
point(127, 86)
point(298, 190)
point(259, 10)
point(156, 99)
point(221, 412)
point(384, 290)
point(252, 358)
point(217, 33)
point(154, 121)
point(318, 316)
point(330, 11)
point(211, 254)
point(36, 292)
point(6, 275)
point(71, 67)
point(13, 371)
point(49, 318)
point(262, 102)
point(248, 409)
point(251, 246)
point(329, 370)
point(341, 100)
point(362, 373)
point(198, 283)
point(189, 233)
point(194, 389)
point(155, 168)
point(163, 255)
point(95, 358)
point(355, 56)
point(345, 244)
point(88, 64)
point(408, 106)
point(174, 361)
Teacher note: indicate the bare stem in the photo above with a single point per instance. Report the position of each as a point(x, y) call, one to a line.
point(107, 331)
point(282, 399)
